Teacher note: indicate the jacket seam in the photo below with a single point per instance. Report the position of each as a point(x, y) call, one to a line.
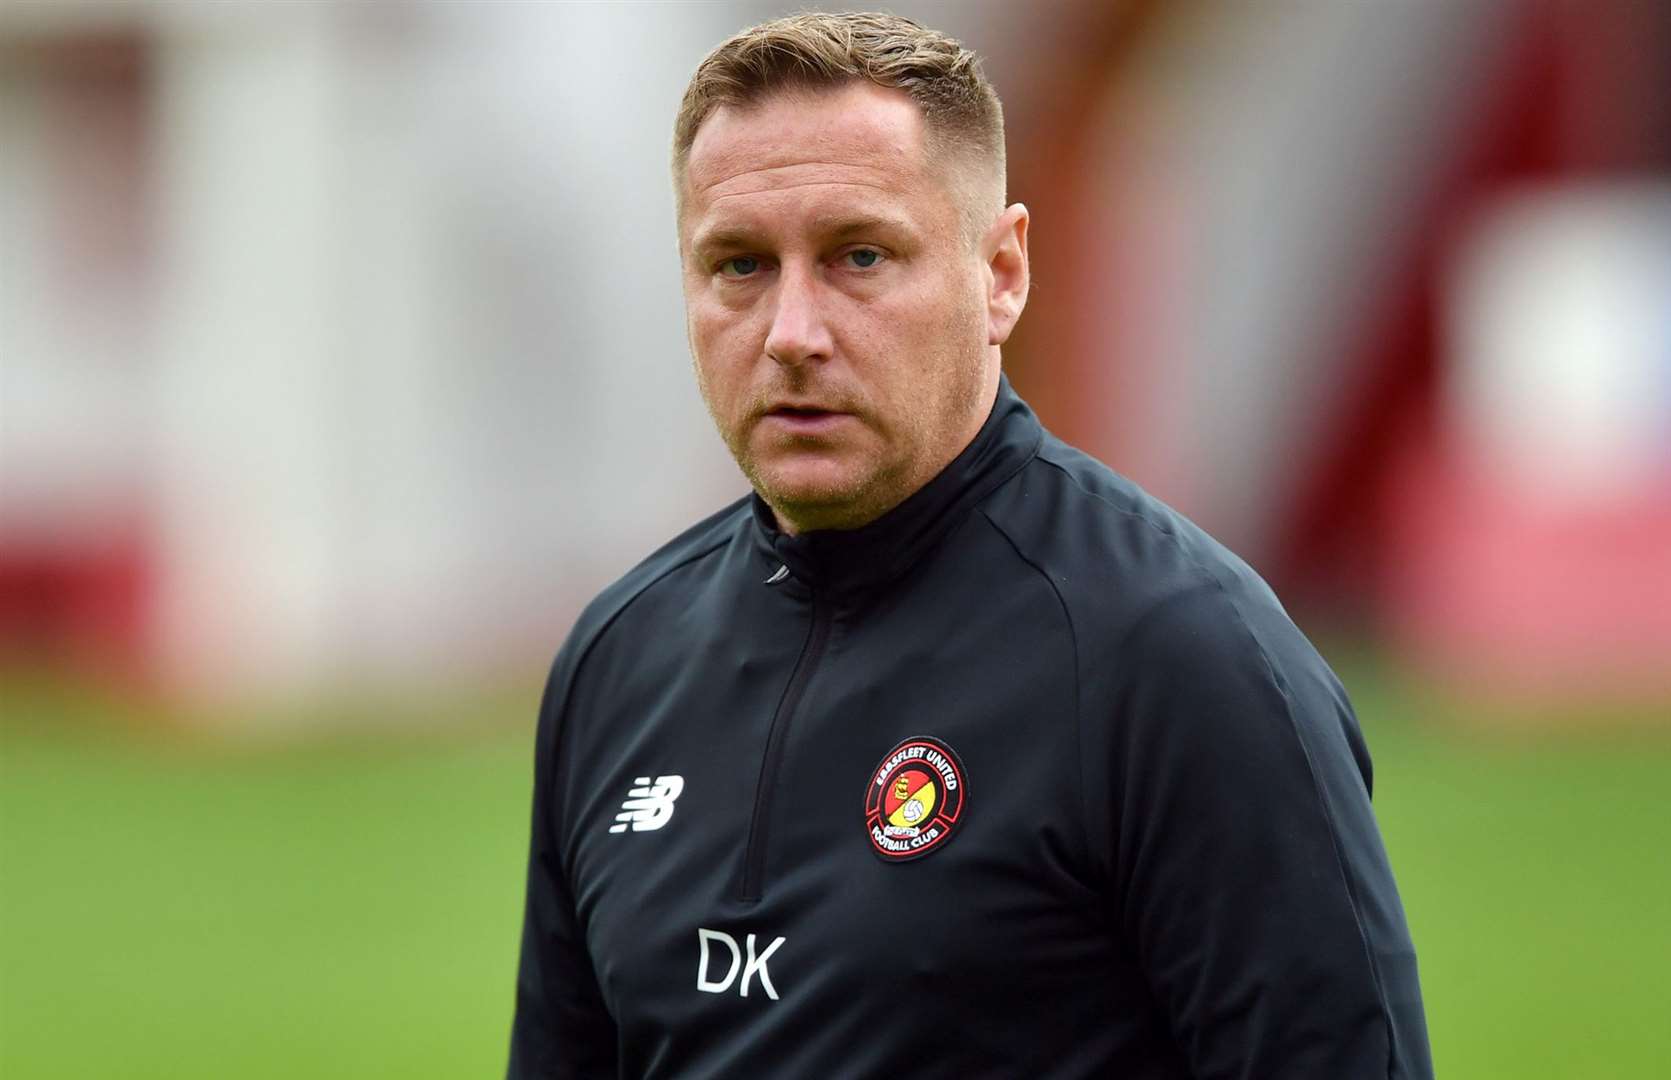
point(1281, 687)
point(559, 712)
point(1170, 534)
point(1326, 808)
point(1078, 715)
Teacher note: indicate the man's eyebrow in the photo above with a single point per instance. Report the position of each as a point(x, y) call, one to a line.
point(717, 239)
point(828, 228)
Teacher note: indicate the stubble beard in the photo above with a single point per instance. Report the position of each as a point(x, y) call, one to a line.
point(894, 464)
point(860, 488)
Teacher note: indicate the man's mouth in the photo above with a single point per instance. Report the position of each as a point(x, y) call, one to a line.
point(805, 419)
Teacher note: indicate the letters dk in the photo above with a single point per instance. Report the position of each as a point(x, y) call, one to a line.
point(751, 966)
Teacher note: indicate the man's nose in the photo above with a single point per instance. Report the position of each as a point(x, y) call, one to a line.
point(798, 334)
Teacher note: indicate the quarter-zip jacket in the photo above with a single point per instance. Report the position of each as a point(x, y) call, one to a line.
point(1163, 861)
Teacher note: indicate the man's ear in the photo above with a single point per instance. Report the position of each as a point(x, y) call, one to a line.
point(1004, 249)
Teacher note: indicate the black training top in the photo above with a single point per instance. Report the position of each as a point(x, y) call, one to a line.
point(1028, 778)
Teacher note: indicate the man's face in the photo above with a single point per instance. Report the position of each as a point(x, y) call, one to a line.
point(837, 312)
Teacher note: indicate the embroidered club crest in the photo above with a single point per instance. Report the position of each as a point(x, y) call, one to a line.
point(914, 799)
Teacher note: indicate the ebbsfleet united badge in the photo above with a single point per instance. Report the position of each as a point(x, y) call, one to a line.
point(914, 799)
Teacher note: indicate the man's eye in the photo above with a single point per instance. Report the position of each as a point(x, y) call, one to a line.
point(739, 267)
point(864, 258)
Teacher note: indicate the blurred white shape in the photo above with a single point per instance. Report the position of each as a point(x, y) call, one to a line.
point(250, 417)
point(1560, 307)
point(1267, 169)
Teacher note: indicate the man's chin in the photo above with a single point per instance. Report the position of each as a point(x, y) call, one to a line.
point(811, 498)
point(817, 498)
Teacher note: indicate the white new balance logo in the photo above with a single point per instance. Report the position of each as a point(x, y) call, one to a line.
point(648, 806)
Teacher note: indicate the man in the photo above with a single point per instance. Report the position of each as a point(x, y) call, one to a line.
point(948, 752)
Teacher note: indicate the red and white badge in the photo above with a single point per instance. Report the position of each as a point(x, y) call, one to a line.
point(914, 800)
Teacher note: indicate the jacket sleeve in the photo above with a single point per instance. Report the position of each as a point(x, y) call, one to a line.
point(1249, 875)
point(561, 1029)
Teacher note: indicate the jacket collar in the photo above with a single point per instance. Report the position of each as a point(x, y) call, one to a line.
point(842, 561)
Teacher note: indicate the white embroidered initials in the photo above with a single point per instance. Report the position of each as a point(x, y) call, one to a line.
point(648, 806)
point(753, 966)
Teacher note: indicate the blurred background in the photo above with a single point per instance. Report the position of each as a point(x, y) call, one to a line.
point(342, 360)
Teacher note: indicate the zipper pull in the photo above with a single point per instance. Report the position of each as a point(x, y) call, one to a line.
point(778, 575)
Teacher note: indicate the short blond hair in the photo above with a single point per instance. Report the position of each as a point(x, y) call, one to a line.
point(817, 50)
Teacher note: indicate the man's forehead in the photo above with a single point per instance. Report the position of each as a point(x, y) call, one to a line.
point(860, 134)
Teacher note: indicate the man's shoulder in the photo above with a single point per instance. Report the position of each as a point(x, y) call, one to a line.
point(1114, 553)
point(1147, 592)
point(701, 540)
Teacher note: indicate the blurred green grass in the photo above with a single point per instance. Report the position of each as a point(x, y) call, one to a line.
point(183, 907)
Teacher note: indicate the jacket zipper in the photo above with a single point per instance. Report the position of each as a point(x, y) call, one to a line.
point(754, 858)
